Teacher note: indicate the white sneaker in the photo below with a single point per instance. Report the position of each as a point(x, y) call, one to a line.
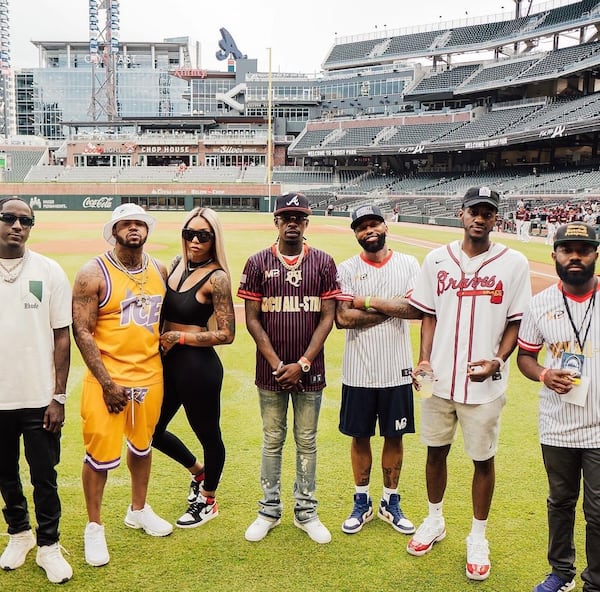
point(50, 559)
point(259, 529)
point(315, 529)
point(16, 551)
point(431, 531)
point(147, 520)
point(478, 558)
point(199, 512)
point(94, 542)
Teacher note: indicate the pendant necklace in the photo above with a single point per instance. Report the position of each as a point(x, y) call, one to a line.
point(11, 274)
point(472, 265)
point(142, 299)
point(294, 273)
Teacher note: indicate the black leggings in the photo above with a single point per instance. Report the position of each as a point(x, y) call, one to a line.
point(193, 378)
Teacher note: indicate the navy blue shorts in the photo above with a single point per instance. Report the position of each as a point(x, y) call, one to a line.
point(362, 408)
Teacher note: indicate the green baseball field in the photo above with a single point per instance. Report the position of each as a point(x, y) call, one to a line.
point(216, 557)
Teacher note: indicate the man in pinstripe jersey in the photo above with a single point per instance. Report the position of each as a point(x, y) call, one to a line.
point(377, 364)
point(565, 318)
point(289, 290)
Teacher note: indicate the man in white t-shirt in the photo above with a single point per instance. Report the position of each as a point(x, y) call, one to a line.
point(377, 364)
point(473, 293)
point(34, 365)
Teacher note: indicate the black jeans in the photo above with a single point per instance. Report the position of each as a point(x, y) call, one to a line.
point(42, 451)
point(565, 467)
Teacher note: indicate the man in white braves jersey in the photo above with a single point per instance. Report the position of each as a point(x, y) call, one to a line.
point(473, 294)
point(289, 290)
point(565, 319)
point(377, 364)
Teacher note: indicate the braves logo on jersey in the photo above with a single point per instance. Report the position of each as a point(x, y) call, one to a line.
point(475, 286)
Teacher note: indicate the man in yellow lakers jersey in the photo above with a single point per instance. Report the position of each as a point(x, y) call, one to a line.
point(117, 298)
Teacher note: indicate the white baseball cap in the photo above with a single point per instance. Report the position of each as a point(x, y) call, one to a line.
point(128, 211)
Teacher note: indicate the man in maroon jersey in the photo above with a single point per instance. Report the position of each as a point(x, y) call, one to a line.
point(290, 293)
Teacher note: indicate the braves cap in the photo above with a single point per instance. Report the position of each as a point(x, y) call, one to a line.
point(365, 211)
point(128, 211)
point(292, 202)
point(478, 195)
point(576, 231)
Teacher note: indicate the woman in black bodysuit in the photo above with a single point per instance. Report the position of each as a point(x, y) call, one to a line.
point(197, 314)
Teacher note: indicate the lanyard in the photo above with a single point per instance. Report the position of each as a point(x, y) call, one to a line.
point(588, 310)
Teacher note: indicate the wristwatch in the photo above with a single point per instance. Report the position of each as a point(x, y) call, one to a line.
point(60, 398)
point(304, 364)
point(501, 363)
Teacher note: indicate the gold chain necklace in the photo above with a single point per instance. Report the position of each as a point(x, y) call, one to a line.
point(294, 274)
point(11, 274)
point(142, 299)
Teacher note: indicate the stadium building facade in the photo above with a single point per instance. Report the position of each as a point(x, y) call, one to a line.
point(509, 100)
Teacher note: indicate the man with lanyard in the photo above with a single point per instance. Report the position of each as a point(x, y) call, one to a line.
point(565, 320)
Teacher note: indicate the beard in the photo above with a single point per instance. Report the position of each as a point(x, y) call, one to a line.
point(575, 278)
point(125, 243)
point(373, 247)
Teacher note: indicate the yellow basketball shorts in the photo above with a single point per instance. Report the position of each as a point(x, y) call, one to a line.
point(103, 431)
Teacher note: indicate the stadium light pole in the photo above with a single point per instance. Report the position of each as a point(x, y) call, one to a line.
point(270, 130)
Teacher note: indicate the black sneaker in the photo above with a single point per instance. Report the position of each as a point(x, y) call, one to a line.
point(199, 512)
point(195, 486)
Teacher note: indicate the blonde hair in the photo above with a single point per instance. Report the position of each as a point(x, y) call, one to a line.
point(218, 248)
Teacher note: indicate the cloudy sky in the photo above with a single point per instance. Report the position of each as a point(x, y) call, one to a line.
point(299, 34)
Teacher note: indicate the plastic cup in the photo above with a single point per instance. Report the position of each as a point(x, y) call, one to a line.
point(425, 381)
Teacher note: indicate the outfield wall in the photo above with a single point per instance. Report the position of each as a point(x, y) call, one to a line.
point(103, 196)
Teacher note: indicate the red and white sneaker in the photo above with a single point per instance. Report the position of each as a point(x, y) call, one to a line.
point(431, 531)
point(478, 558)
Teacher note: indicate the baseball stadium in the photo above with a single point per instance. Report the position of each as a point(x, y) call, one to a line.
point(404, 119)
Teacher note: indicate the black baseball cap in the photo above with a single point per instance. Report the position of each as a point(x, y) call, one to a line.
point(481, 195)
point(365, 211)
point(292, 202)
point(576, 231)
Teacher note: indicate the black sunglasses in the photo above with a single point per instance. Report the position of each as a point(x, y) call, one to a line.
point(202, 236)
point(297, 218)
point(25, 221)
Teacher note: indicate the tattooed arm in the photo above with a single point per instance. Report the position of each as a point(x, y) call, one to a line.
point(88, 289)
point(349, 317)
point(217, 290)
point(393, 307)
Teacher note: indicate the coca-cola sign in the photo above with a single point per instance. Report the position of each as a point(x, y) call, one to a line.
point(98, 202)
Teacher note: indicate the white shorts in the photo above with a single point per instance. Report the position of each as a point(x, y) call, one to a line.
point(480, 425)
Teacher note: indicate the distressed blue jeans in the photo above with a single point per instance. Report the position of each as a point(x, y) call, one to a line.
point(273, 410)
